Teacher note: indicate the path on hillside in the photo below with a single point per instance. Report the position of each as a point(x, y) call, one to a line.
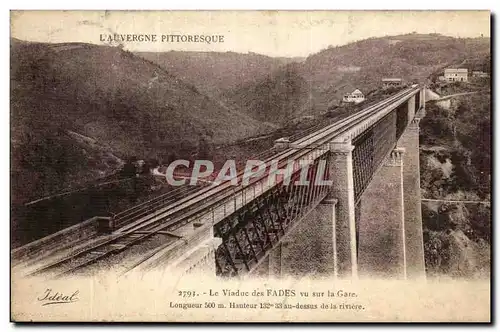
point(453, 201)
point(455, 95)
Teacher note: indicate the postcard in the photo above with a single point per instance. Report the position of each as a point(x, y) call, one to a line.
point(250, 166)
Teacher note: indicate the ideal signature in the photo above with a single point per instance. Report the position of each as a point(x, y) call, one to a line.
point(49, 297)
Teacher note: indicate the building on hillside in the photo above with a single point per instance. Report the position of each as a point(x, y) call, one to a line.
point(455, 74)
point(479, 74)
point(354, 97)
point(392, 82)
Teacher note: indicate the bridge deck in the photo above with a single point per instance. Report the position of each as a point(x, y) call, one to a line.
point(208, 205)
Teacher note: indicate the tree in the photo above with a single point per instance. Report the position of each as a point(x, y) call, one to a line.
point(204, 149)
point(129, 169)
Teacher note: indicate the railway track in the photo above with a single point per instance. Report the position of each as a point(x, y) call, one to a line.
point(168, 212)
point(114, 245)
point(148, 207)
point(215, 193)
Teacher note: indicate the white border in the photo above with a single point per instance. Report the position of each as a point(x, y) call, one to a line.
point(260, 4)
point(492, 5)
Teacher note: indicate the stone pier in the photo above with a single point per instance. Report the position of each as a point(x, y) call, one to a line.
point(381, 248)
point(415, 264)
point(341, 171)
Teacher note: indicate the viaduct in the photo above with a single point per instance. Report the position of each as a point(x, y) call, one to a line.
point(366, 222)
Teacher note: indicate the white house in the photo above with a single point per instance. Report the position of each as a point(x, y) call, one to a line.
point(455, 75)
point(354, 97)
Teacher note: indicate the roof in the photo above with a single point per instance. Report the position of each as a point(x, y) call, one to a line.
point(455, 70)
point(392, 80)
point(346, 88)
point(357, 91)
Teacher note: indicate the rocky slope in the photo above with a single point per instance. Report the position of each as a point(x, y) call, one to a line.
point(455, 163)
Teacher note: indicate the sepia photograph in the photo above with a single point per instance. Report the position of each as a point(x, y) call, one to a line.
point(250, 166)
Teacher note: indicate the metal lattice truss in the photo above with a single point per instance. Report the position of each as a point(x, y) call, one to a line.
point(417, 102)
point(252, 231)
point(373, 146)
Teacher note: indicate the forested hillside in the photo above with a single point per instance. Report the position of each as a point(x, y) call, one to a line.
point(456, 170)
point(271, 90)
point(78, 110)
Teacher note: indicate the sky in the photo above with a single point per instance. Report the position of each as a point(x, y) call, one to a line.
point(274, 33)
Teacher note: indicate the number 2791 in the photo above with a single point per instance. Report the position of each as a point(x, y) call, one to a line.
point(186, 293)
